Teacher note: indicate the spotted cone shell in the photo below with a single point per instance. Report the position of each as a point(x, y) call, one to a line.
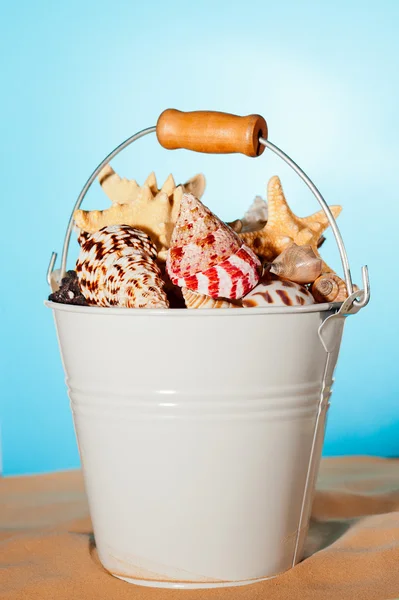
point(207, 256)
point(116, 267)
point(271, 291)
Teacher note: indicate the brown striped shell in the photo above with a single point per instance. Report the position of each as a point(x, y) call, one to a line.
point(195, 300)
point(271, 291)
point(116, 267)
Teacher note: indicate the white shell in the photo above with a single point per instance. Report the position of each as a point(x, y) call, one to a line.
point(116, 267)
point(256, 215)
point(274, 292)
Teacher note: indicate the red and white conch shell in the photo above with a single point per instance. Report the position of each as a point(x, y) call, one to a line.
point(116, 267)
point(271, 291)
point(206, 256)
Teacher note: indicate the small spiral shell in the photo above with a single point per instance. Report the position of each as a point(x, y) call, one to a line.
point(329, 288)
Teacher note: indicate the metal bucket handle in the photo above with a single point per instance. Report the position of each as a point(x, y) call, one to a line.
point(215, 132)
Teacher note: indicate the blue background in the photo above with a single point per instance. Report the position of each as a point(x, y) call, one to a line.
point(79, 77)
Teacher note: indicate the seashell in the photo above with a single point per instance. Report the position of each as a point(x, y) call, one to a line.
point(195, 185)
point(254, 219)
point(206, 256)
point(231, 279)
point(329, 288)
point(297, 263)
point(131, 282)
point(199, 239)
point(116, 267)
point(236, 225)
point(196, 300)
point(256, 216)
point(271, 291)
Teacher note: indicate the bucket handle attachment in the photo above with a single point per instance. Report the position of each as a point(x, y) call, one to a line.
point(330, 334)
point(220, 133)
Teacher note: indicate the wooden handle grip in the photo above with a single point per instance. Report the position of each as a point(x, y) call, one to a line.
point(211, 132)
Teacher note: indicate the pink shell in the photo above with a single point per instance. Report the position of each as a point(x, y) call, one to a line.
point(232, 279)
point(275, 292)
point(200, 240)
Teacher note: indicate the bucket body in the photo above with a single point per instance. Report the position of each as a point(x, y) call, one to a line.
point(200, 434)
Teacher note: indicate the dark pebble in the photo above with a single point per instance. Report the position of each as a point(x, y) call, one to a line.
point(69, 292)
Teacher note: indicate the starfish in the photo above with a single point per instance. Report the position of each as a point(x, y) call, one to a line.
point(126, 191)
point(283, 227)
point(145, 207)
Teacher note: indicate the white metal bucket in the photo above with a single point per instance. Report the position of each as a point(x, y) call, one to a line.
point(197, 471)
point(200, 431)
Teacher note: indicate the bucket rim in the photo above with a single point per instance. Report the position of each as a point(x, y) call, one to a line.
point(186, 313)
